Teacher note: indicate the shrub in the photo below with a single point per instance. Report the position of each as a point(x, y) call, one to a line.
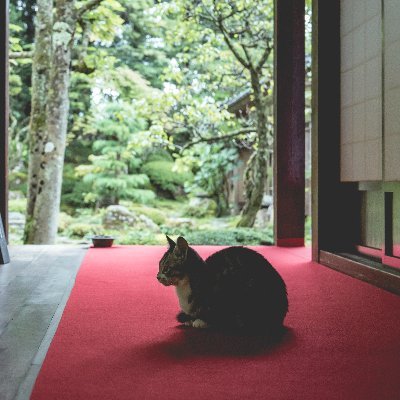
point(238, 236)
point(138, 237)
point(18, 180)
point(64, 221)
point(17, 205)
point(81, 230)
point(201, 207)
point(166, 180)
point(73, 189)
point(159, 155)
point(155, 215)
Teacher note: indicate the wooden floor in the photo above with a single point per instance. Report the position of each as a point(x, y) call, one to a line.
point(34, 289)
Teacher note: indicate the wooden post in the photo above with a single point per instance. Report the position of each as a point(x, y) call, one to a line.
point(289, 123)
point(4, 113)
point(335, 205)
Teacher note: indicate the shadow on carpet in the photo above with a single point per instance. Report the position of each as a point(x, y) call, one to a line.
point(187, 343)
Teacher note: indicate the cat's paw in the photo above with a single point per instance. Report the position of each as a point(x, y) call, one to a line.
point(199, 323)
point(183, 317)
point(188, 323)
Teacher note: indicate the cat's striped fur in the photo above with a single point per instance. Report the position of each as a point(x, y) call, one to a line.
point(235, 288)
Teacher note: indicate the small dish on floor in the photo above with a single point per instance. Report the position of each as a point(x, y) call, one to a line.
point(102, 241)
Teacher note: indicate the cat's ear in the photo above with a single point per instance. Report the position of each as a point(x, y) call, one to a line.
point(182, 244)
point(171, 243)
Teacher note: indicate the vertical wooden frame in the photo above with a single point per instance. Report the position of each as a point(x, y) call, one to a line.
point(335, 205)
point(289, 122)
point(4, 113)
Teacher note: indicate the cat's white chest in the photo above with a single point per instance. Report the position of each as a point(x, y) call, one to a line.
point(183, 291)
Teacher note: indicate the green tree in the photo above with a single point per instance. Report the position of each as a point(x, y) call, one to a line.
point(114, 169)
point(54, 40)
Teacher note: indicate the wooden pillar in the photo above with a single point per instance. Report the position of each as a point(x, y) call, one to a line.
point(289, 123)
point(4, 112)
point(335, 205)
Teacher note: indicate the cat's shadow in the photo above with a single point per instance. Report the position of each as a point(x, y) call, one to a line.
point(186, 343)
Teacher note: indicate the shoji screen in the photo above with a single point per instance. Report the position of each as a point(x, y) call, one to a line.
point(392, 90)
point(361, 90)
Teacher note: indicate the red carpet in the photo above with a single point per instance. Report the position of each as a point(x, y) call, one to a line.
point(118, 338)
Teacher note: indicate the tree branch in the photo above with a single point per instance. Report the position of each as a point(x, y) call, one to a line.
point(219, 138)
point(88, 6)
point(263, 58)
point(231, 45)
point(20, 54)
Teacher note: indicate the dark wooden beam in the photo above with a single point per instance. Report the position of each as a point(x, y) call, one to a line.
point(289, 123)
point(4, 109)
point(335, 205)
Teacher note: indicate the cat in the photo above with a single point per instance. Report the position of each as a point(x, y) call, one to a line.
point(235, 288)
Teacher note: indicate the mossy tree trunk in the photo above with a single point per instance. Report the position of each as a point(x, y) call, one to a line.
point(256, 171)
point(48, 129)
point(37, 127)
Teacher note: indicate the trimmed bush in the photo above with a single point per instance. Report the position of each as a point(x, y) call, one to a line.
point(80, 230)
point(201, 207)
point(155, 215)
point(138, 237)
point(164, 179)
point(238, 236)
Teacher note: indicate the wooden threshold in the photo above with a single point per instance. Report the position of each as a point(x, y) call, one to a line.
point(363, 269)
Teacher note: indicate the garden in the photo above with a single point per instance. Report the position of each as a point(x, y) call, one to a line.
point(137, 119)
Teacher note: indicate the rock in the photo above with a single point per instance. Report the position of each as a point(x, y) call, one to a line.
point(149, 223)
point(180, 223)
point(263, 218)
point(266, 201)
point(15, 195)
point(201, 207)
point(16, 219)
point(117, 216)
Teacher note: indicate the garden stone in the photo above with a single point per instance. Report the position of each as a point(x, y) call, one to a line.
point(149, 223)
point(263, 218)
point(116, 216)
point(15, 195)
point(201, 206)
point(16, 219)
point(180, 223)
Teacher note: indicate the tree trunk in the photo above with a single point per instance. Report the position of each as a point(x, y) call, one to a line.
point(37, 126)
point(49, 148)
point(256, 173)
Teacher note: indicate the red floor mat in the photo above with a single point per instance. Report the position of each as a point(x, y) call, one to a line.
point(118, 338)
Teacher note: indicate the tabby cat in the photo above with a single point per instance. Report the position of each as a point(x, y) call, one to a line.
point(235, 288)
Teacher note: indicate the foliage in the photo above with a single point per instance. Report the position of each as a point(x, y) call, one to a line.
point(165, 178)
point(64, 221)
point(237, 236)
point(17, 205)
point(150, 88)
point(138, 237)
point(113, 172)
point(80, 230)
point(212, 165)
point(157, 216)
point(201, 208)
